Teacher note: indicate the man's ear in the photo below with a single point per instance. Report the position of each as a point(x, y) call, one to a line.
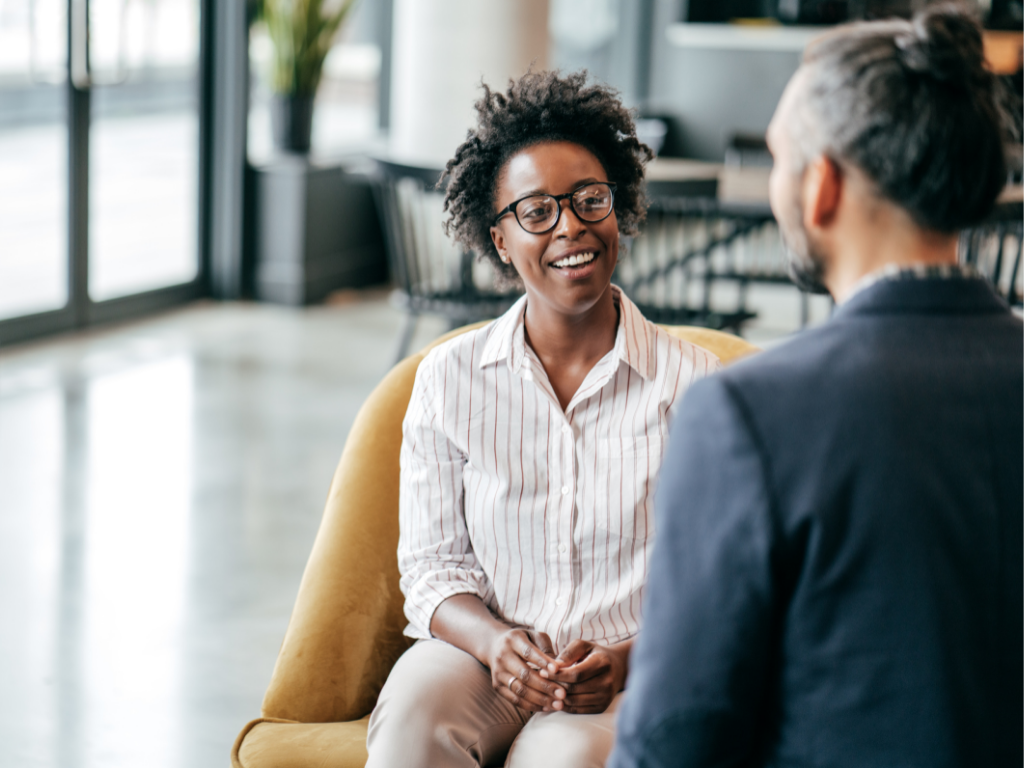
point(823, 191)
point(498, 238)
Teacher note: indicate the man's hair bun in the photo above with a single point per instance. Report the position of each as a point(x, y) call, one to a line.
point(944, 43)
point(911, 104)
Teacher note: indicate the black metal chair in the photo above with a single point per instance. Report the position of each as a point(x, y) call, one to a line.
point(433, 275)
point(688, 248)
point(994, 249)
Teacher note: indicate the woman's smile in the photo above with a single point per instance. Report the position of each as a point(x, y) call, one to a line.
point(577, 264)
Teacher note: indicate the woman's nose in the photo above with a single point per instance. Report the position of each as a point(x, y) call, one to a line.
point(569, 225)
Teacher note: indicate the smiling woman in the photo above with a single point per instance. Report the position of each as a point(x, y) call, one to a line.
point(530, 451)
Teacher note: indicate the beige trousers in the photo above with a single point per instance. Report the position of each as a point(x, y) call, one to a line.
point(438, 710)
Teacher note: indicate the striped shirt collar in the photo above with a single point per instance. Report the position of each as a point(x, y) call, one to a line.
point(633, 340)
point(893, 272)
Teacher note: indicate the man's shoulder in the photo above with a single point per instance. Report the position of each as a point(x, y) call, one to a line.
point(852, 345)
point(852, 366)
point(802, 355)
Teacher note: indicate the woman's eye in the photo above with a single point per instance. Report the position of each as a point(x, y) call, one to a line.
point(593, 204)
point(592, 198)
point(536, 212)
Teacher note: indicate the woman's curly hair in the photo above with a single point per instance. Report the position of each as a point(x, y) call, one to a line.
point(541, 106)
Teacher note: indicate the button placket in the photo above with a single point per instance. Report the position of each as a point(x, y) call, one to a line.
point(568, 519)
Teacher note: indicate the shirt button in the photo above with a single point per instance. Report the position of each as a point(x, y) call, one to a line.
point(562, 548)
point(559, 601)
point(565, 490)
point(566, 430)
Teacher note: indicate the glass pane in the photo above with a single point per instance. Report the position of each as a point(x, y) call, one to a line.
point(33, 157)
point(144, 145)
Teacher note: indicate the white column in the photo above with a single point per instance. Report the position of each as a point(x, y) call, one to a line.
point(440, 51)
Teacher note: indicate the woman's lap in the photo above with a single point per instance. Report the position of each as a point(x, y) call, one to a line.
point(438, 709)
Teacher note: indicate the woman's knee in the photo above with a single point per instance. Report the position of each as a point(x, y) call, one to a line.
point(560, 740)
point(428, 681)
point(438, 708)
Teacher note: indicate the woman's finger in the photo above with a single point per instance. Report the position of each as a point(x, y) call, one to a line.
point(526, 682)
point(528, 652)
point(573, 652)
point(543, 642)
point(509, 695)
point(593, 685)
point(528, 688)
point(591, 666)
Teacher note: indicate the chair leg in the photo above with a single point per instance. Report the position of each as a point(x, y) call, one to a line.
point(405, 336)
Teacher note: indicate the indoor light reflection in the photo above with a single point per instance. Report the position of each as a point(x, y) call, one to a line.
point(140, 485)
point(31, 472)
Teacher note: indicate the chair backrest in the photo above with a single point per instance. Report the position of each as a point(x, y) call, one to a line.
point(346, 628)
point(423, 261)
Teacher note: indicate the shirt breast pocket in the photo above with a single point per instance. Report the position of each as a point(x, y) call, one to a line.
point(627, 474)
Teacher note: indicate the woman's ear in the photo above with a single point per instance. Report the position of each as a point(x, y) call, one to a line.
point(498, 238)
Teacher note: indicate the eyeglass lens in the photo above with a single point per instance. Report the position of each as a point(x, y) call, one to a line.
point(539, 213)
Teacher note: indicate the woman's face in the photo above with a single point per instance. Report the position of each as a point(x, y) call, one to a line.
point(556, 168)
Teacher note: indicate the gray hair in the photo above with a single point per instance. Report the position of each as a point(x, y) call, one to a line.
point(911, 104)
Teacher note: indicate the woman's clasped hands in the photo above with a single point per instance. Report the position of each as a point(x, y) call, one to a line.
point(582, 679)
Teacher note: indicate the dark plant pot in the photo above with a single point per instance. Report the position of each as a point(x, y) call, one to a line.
point(291, 120)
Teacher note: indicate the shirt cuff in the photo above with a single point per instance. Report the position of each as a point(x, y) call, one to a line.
point(427, 594)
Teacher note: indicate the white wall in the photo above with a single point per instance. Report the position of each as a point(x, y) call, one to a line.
point(440, 51)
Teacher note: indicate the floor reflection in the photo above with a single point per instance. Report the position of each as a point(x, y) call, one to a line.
point(139, 469)
point(31, 559)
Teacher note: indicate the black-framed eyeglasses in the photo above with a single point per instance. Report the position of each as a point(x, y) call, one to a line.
point(538, 214)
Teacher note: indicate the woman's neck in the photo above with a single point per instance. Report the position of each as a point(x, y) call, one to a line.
point(570, 345)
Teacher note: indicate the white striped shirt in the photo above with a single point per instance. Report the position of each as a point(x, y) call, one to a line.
point(545, 515)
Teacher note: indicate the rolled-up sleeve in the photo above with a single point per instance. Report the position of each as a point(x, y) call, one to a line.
point(435, 555)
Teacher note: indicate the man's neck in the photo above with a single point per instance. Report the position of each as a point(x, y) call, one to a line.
point(890, 240)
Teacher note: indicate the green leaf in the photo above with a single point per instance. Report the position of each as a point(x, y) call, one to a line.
point(302, 33)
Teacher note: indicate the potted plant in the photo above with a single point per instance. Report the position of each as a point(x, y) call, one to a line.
point(302, 33)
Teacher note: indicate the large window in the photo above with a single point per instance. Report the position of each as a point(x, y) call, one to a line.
point(99, 158)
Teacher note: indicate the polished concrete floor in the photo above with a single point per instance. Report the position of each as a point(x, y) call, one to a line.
point(160, 487)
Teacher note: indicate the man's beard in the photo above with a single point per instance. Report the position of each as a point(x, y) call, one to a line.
point(804, 261)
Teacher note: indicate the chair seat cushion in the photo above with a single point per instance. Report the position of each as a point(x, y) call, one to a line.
point(279, 744)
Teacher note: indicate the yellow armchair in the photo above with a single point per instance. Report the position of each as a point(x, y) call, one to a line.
point(346, 628)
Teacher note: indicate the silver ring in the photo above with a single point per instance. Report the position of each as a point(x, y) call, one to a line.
point(510, 681)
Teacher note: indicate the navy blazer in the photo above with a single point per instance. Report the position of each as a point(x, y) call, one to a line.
point(837, 579)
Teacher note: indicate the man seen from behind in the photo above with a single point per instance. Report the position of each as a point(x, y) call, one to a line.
point(837, 576)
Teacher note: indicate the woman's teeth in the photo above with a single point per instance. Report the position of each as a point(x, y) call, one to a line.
point(576, 260)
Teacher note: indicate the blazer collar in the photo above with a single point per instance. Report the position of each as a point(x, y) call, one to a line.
point(634, 340)
point(924, 296)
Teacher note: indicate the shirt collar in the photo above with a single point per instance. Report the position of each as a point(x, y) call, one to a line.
point(634, 340)
point(916, 272)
